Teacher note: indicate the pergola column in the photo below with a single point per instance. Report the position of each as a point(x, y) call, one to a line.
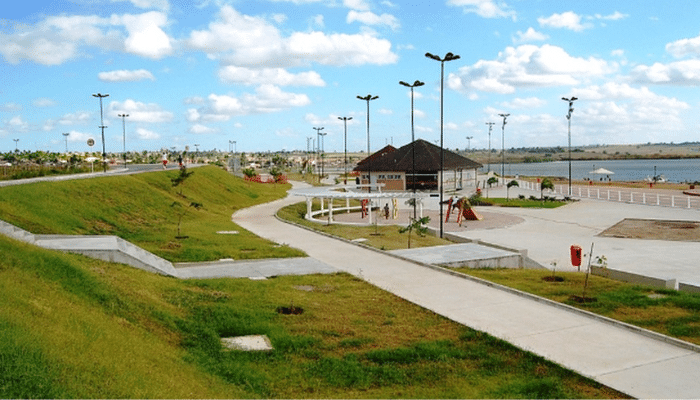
point(309, 201)
point(330, 211)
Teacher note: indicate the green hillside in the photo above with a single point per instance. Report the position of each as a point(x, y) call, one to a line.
point(74, 327)
point(139, 208)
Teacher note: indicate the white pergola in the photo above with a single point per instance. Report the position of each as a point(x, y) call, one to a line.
point(349, 192)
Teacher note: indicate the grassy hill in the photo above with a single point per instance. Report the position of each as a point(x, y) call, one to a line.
point(139, 208)
point(74, 327)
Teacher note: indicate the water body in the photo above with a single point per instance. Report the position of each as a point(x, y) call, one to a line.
point(685, 170)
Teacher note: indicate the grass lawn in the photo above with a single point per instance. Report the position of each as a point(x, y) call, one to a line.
point(380, 237)
point(669, 312)
point(525, 203)
point(140, 208)
point(76, 327)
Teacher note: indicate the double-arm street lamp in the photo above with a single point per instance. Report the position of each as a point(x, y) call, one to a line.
point(322, 143)
point(368, 98)
point(345, 141)
point(102, 126)
point(413, 143)
point(568, 117)
point(503, 147)
point(448, 57)
point(123, 117)
point(469, 142)
point(318, 144)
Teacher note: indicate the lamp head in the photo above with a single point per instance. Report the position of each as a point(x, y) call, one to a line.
point(433, 56)
point(418, 83)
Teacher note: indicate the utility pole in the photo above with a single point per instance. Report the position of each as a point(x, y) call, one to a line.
point(102, 126)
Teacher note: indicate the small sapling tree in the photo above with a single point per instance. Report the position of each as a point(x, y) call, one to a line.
point(420, 225)
point(181, 177)
point(546, 184)
point(181, 211)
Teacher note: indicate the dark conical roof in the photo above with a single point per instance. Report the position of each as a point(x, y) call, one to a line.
point(427, 159)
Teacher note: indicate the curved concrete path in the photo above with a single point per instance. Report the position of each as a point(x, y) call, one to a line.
point(639, 365)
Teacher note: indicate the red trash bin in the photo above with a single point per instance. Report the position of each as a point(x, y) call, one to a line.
point(576, 255)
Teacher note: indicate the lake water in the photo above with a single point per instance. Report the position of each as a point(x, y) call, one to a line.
point(686, 170)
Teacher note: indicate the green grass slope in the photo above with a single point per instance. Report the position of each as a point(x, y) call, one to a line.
point(139, 208)
point(73, 327)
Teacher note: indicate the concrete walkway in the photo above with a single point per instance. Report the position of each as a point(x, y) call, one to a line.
point(624, 359)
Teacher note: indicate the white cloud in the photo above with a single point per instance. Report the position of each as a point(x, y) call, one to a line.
point(267, 99)
point(318, 21)
point(686, 73)
point(200, 129)
point(684, 47)
point(58, 39)
point(520, 103)
point(527, 66)
point(359, 5)
point(530, 35)
point(16, 123)
point(123, 75)
point(44, 102)
point(145, 134)
point(163, 5)
point(616, 16)
point(274, 76)
point(78, 118)
point(483, 8)
point(141, 112)
point(566, 20)
point(10, 107)
point(195, 100)
point(244, 40)
point(146, 36)
point(370, 18)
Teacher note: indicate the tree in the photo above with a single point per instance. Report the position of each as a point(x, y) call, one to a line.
point(182, 213)
point(492, 180)
point(546, 184)
point(420, 225)
point(510, 185)
point(181, 178)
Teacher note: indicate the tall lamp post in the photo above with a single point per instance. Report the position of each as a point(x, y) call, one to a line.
point(65, 135)
point(469, 142)
point(503, 147)
point(318, 144)
point(123, 117)
point(413, 143)
point(448, 57)
point(490, 124)
point(16, 140)
point(568, 117)
point(322, 149)
point(102, 126)
point(368, 98)
point(345, 141)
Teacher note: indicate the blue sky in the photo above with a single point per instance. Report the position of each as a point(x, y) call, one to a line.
point(264, 73)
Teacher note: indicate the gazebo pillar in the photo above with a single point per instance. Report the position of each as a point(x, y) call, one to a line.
point(330, 211)
point(309, 201)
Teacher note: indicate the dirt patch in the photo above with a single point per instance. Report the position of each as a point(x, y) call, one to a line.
point(630, 228)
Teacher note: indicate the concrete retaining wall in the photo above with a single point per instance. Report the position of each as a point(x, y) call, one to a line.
point(633, 278)
point(686, 287)
point(107, 248)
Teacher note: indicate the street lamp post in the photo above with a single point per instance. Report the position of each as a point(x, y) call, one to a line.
point(568, 117)
point(345, 141)
point(368, 98)
point(503, 147)
point(469, 142)
point(123, 116)
point(318, 145)
point(102, 126)
point(490, 124)
point(448, 57)
point(413, 143)
point(16, 140)
point(65, 135)
point(322, 150)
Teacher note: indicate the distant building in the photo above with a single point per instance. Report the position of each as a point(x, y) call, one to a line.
point(393, 168)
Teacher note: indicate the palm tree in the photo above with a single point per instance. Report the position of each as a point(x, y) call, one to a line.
point(546, 184)
point(510, 185)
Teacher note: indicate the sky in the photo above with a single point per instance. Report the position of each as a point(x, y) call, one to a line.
point(203, 74)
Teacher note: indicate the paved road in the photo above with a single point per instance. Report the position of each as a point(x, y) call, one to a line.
point(638, 365)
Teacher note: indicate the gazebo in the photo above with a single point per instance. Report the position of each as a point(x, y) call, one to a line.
point(393, 168)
